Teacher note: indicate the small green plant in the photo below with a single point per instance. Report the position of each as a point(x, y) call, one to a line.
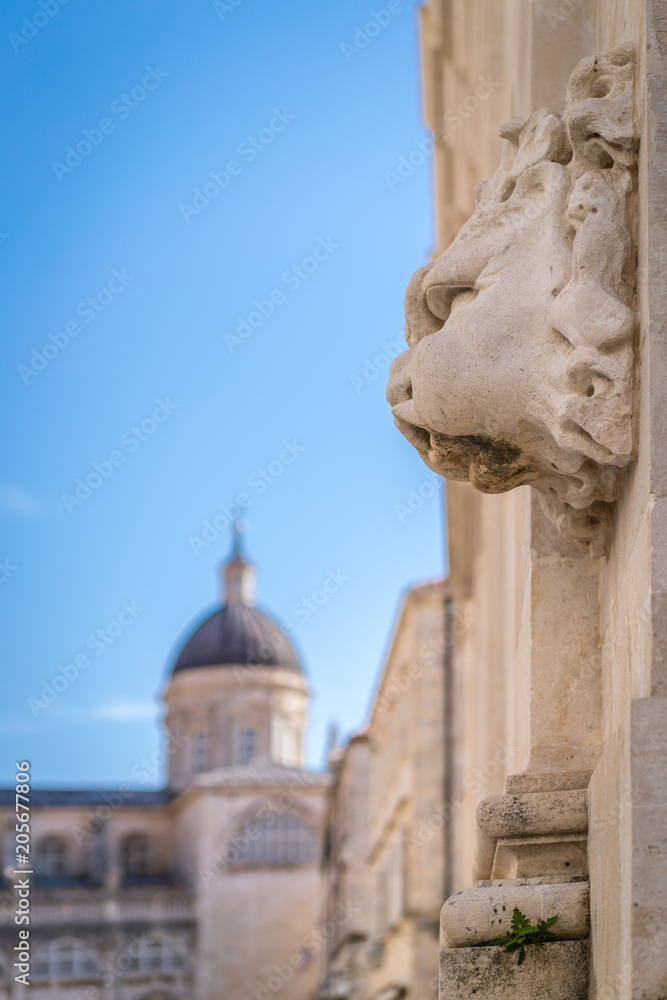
point(522, 932)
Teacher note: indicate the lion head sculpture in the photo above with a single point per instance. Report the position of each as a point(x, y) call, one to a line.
point(519, 366)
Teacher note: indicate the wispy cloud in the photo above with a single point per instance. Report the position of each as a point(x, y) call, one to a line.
point(125, 711)
point(15, 499)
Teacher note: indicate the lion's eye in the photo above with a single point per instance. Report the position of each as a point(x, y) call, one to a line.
point(442, 299)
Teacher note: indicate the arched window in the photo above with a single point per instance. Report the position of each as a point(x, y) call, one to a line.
point(199, 752)
point(134, 855)
point(158, 955)
point(65, 960)
point(274, 839)
point(51, 856)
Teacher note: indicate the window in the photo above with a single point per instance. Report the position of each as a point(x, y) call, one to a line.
point(246, 749)
point(65, 960)
point(157, 955)
point(275, 839)
point(199, 752)
point(291, 746)
point(51, 856)
point(134, 855)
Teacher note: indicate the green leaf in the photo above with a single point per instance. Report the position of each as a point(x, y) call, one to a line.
point(523, 933)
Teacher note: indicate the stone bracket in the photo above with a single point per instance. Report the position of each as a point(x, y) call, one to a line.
point(555, 971)
point(477, 915)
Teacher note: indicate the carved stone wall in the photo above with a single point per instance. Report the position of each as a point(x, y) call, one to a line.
point(566, 658)
point(520, 360)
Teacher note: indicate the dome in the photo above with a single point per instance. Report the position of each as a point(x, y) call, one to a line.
point(238, 634)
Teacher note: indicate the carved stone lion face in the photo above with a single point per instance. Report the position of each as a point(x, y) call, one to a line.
point(519, 361)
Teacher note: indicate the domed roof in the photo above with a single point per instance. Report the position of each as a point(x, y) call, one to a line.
point(238, 634)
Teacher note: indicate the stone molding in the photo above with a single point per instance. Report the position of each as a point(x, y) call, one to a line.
point(477, 915)
point(520, 364)
point(534, 834)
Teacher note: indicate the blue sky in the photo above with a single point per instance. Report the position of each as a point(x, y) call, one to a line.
point(170, 335)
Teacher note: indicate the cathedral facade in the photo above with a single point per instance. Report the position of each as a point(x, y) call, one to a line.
point(210, 886)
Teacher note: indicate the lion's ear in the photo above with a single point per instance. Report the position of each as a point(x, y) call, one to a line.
point(541, 192)
point(541, 138)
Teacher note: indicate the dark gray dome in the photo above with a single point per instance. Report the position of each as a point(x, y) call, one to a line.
point(238, 634)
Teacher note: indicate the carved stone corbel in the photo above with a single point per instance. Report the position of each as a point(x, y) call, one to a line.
point(520, 362)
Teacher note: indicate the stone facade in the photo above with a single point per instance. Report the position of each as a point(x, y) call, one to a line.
point(384, 843)
point(557, 690)
point(205, 889)
point(346, 918)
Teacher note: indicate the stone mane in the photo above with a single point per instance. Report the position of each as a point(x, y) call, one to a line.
point(520, 335)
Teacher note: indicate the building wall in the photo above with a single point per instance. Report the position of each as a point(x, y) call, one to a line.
point(385, 841)
point(255, 921)
point(236, 925)
point(220, 702)
point(345, 921)
point(564, 662)
point(406, 850)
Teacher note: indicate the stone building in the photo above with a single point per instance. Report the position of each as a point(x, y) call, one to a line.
point(208, 888)
point(534, 381)
point(384, 844)
point(346, 919)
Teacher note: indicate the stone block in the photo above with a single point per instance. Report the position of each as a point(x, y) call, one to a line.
point(485, 912)
point(534, 814)
point(555, 971)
